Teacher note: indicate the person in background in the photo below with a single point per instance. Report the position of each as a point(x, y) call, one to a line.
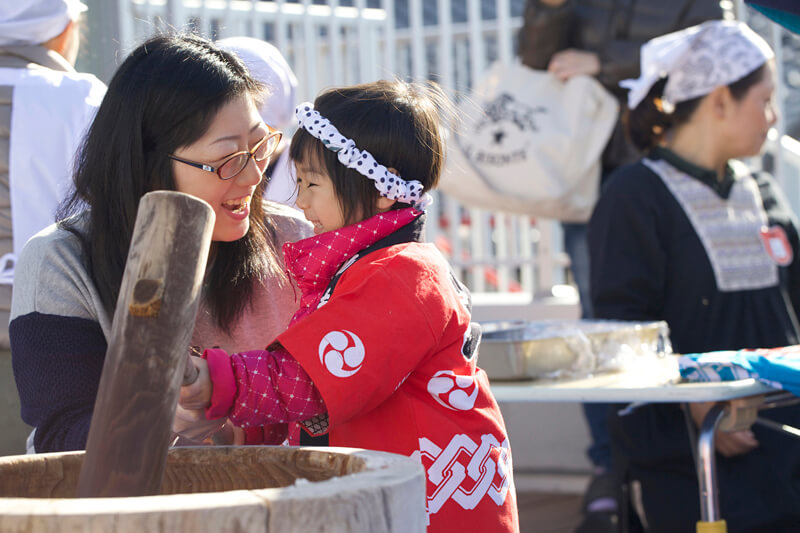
point(600, 38)
point(690, 235)
point(45, 106)
point(268, 66)
point(180, 114)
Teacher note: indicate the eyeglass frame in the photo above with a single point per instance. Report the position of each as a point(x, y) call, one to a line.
point(209, 168)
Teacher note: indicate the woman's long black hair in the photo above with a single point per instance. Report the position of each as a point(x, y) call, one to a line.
point(164, 96)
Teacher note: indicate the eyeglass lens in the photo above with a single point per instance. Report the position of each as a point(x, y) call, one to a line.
point(233, 166)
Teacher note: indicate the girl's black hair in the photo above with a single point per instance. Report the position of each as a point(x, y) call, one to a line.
point(398, 122)
point(648, 123)
point(163, 97)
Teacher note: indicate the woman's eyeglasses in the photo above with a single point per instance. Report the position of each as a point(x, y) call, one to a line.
point(232, 166)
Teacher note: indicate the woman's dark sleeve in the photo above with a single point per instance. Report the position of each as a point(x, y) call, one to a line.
point(57, 363)
point(793, 286)
point(793, 269)
point(779, 211)
point(626, 252)
point(627, 245)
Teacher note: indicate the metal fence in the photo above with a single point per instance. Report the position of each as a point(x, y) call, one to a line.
point(342, 42)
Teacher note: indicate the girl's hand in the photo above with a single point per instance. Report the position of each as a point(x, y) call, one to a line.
point(198, 394)
point(728, 443)
point(568, 63)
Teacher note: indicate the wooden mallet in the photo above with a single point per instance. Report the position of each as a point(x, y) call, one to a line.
point(146, 361)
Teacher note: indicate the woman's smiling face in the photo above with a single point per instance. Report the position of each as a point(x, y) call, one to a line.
point(236, 127)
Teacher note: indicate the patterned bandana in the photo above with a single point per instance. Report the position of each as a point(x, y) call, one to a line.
point(697, 60)
point(390, 185)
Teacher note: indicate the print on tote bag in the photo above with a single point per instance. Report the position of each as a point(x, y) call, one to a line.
point(530, 144)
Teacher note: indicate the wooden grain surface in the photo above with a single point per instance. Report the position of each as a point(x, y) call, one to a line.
point(150, 336)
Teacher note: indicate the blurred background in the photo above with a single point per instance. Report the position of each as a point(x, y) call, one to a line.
point(514, 265)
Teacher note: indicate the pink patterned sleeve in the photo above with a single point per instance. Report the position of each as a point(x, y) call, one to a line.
point(267, 387)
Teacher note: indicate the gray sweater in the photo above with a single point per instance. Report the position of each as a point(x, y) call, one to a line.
point(59, 329)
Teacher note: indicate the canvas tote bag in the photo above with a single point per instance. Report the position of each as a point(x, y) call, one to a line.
point(530, 144)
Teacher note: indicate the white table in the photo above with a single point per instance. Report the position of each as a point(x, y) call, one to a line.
point(654, 381)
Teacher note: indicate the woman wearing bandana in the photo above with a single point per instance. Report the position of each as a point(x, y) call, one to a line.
point(602, 39)
point(690, 235)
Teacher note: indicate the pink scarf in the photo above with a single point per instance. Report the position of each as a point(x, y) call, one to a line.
point(314, 261)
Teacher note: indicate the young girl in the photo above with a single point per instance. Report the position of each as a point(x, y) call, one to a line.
point(381, 354)
point(690, 236)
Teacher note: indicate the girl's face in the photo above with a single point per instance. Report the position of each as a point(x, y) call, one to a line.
point(236, 127)
point(752, 117)
point(317, 197)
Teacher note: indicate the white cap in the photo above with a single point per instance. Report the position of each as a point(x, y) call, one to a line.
point(35, 21)
point(698, 60)
point(267, 65)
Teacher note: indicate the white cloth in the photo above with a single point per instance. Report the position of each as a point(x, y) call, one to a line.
point(282, 186)
point(697, 60)
point(267, 65)
point(530, 144)
point(50, 113)
point(35, 21)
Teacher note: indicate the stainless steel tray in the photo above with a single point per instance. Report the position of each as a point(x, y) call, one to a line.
point(514, 350)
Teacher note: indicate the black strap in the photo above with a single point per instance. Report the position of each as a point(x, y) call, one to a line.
point(308, 440)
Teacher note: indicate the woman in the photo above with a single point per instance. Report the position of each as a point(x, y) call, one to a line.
point(180, 114)
point(689, 235)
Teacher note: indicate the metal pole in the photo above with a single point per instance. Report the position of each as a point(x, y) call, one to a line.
point(445, 62)
point(108, 35)
point(706, 465)
point(419, 67)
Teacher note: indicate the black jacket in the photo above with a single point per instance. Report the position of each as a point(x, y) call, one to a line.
point(649, 263)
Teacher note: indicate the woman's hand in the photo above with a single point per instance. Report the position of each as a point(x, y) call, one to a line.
point(728, 443)
point(190, 418)
point(568, 63)
point(229, 435)
point(194, 428)
point(198, 394)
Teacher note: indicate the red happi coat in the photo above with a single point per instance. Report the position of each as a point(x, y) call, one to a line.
point(391, 351)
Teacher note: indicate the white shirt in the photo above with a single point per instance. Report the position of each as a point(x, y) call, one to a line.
point(51, 109)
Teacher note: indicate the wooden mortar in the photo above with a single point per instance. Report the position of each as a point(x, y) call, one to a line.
point(224, 490)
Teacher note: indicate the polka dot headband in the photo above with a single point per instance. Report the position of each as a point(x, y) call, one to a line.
point(389, 185)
